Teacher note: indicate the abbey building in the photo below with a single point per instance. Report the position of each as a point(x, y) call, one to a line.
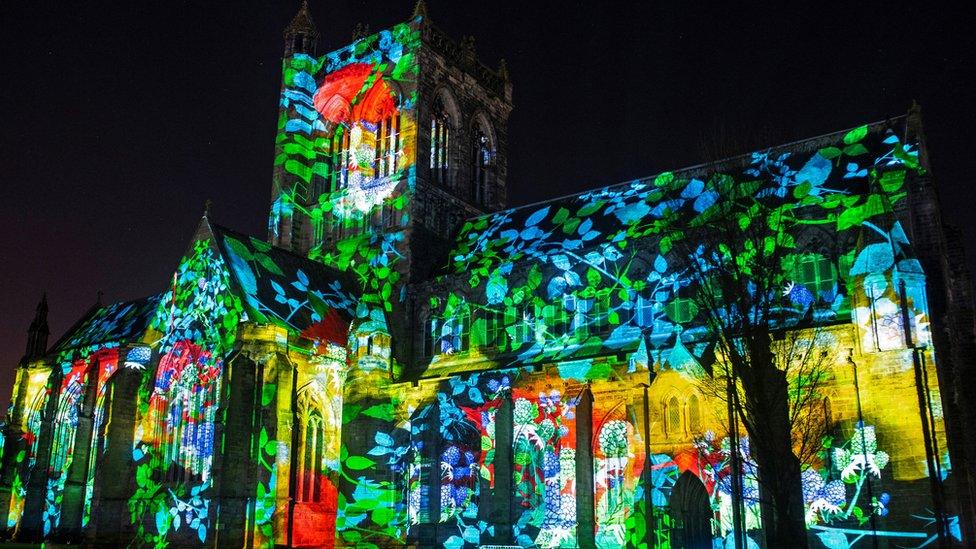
point(404, 360)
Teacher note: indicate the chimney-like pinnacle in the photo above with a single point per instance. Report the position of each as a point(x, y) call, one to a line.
point(420, 9)
point(301, 34)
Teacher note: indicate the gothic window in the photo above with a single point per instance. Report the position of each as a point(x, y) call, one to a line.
point(340, 158)
point(185, 400)
point(694, 414)
point(600, 313)
point(387, 145)
point(440, 139)
point(644, 311)
point(681, 310)
point(523, 325)
point(494, 329)
point(33, 423)
point(672, 417)
point(816, 272)
point(453, 337)
point(482, 163)
point(310, 476)
point(430, 331)
point(65, 427)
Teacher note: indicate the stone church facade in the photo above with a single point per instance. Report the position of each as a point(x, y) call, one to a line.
point(406, 361)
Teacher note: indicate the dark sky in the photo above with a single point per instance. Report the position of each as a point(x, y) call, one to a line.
point(118, 120)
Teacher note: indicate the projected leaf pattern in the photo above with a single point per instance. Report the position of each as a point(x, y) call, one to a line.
point(198, 320)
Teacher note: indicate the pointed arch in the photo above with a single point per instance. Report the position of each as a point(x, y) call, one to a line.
point(483, 153)
point(444, 118)
point(692, 513)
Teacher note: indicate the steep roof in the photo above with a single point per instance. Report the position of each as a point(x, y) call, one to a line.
point(112, 324)
point(280, 287)
point(819, 171)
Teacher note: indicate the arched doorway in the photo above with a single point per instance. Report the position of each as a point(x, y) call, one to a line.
point(691, 514)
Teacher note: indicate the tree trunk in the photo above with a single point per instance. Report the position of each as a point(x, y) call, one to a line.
point(767, 421)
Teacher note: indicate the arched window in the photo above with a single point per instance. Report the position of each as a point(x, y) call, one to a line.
point(310, 476)
point(387, 145)
point(430, 335)
point(694, 414)
point(481, 162)
point(672, 417)
point(454, 333)
point(440, 139)
point(184, 409)
point(65, 428)
point(816, 272)
point(340, 158)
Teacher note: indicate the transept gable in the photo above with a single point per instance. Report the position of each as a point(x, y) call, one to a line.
point(282, 288)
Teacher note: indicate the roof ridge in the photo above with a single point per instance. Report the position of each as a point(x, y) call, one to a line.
point(722, 161)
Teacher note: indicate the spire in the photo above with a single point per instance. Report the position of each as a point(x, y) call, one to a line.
point(420, 9)
point(301, 35)
point(38, 331)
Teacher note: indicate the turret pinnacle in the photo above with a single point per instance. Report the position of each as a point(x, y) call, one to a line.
point(420, 9)
point(301, 34)
point(38, 331)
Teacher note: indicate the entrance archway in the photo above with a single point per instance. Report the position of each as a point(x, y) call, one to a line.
point(691, 513)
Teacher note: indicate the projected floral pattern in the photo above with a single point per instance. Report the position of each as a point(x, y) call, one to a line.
point(537, 306)
point(174, 442)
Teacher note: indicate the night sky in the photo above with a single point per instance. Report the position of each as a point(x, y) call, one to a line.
point(118, 120)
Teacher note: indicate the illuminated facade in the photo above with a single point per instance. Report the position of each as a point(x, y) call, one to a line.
point(404, 361)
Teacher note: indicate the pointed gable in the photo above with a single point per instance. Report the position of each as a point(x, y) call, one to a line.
point(283, 288)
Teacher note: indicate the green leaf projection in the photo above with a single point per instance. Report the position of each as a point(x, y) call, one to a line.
point(551, 384)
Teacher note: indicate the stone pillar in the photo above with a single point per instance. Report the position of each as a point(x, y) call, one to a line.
point(277, 416)
point(502, 499)
point(426, 531)
point(585, 521)
point(13, 444)
point(73, 498)
point(32, 524)
point(234, 471)
point(115, 481)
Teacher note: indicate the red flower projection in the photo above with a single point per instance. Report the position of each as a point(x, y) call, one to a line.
point(331, 329)
point(353, 93)
point(314, 522)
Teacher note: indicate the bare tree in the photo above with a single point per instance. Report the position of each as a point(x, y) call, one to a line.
point(753, 313)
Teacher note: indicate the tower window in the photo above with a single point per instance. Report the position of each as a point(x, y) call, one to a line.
point(482, 169)
point(440, 136)
point(340, 159)
point(387, 145)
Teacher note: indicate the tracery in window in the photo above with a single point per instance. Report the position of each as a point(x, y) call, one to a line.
point(310, 478)
point(187, 390)
point(694, 414)
point(440, 139)
point(482, 167)
point(672, 417)
point(387, 145)
point(341, 158)
point(453, 333)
